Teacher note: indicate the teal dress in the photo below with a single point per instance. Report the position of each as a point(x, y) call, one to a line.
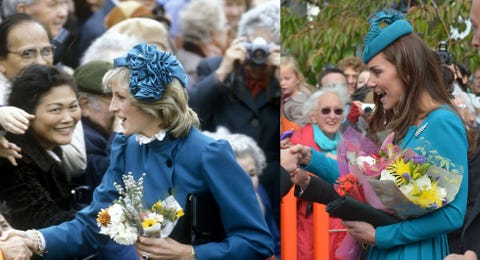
point(424, 237)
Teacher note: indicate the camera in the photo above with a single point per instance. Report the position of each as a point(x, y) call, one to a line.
point(443, 54)
point(257, 51)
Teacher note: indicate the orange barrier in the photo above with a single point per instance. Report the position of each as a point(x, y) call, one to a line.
point(288, 229)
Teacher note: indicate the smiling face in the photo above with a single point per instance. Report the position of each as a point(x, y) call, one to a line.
point(329, 123)
point(385, 82)
point(132, 119)
point(56, 115)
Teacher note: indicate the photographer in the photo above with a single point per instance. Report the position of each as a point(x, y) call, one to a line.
point(241, 89)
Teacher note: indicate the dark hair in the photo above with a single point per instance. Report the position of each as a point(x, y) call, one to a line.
point(33, 82)
point(327, 71)
point(4, 210)
point(419, 70)
point(8, 24)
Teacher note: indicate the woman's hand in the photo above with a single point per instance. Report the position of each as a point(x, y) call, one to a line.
point(15, 120)
point(162, 248)
point(301, 178)
point(361, 231)
point(9, 150)
point(16, 244)
point(303, 153)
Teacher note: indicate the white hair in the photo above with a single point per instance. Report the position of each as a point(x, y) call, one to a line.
point(311, 105)
point(242, 145)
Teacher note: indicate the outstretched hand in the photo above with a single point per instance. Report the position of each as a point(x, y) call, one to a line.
point(16, 244)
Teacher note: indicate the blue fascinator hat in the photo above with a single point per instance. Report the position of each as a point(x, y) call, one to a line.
point(378, 38)
point(150, 71)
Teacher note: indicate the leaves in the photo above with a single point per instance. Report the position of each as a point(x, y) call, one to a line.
point(339, 29)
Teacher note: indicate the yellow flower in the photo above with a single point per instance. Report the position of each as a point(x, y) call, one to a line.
point(103, 217)
point(157, 206)
point(146, 223)
point(179, 213)
point(400, 170)
point(426, 198)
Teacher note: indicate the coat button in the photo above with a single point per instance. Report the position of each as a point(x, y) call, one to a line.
point(169, 163)
point(255, 122)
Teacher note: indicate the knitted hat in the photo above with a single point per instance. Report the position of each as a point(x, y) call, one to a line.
point(125, 10)
point(378, 38)
point(89, 76)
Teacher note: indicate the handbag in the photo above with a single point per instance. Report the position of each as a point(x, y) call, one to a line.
point(203, 213)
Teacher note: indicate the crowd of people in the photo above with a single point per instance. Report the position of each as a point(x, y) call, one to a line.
point(196, 97)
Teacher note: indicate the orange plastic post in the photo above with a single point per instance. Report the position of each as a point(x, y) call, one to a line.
point(321, 242)
point(288, 226)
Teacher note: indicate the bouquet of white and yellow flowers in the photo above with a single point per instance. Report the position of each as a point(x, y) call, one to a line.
point(127, 217)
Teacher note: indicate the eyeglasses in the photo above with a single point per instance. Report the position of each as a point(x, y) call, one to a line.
point(327, 111)
point(30, 54)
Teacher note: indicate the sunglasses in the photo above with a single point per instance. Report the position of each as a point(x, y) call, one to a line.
point(327, 111)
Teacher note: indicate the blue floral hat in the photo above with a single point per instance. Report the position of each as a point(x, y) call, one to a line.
point(378, 38)
point(150, 71)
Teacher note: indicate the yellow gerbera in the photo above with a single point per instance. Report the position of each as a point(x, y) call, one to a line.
point(148, 222)
point(179, 213)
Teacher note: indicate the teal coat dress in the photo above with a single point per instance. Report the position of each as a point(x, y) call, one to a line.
point(424, 237)
point(181, 166)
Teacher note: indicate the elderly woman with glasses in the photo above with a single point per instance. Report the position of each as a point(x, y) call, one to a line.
point(161, 142)
point(325, 112)
point(24, 41)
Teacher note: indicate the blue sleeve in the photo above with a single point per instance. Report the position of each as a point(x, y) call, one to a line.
point(248, 236)
point(446, 133)
point(80, 236)
point(323, 166)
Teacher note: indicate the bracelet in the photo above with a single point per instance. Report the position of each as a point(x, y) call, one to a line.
point(193, 256)
point(34, 235)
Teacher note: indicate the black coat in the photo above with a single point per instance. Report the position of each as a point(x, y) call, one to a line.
point(231, 105)
point(37, 191)
point(467, 237)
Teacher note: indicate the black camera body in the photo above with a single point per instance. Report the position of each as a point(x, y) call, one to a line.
point(257, 51)
point(443, 54)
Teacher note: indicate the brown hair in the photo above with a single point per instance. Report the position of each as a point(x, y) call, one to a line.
point(419, 70)
point(354, 62)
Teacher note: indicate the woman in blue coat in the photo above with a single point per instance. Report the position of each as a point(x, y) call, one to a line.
point(410, 99)
point(160, 139)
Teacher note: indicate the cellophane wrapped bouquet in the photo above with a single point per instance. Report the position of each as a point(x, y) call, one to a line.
point(400, 182)
point(127, 217)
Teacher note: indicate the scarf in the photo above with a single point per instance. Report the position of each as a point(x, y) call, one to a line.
point(326, 144)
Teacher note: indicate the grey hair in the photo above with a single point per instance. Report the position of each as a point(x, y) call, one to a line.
point(242, 145)
point(265, 16)
point(108, 46)
point(200, 19)
point(10, 6)
point(311, 104)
